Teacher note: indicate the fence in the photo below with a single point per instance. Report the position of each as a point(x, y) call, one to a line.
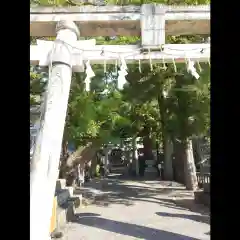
point(203, 180)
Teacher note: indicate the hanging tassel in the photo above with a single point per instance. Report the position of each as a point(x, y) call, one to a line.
point(164, 64)
point(123, 63)
point(122, 73)
point(150, 60)
point(104, 67)
point(90, 74)
point(87, 84)
point(121, 77)
point(174, 65)
point(139, 66)
point(191, 69)
point(116, 67)
point(199, 66)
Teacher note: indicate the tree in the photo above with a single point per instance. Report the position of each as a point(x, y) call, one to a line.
point(171, 105)
point(189, 103)
point(37, 84)
point(91, 116)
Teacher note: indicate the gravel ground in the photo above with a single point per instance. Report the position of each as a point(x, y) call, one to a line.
point(149, 210)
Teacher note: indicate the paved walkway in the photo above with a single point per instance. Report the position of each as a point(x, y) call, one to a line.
point(149, 210)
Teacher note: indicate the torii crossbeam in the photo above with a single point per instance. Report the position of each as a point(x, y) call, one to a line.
point(113, 20)
point(110, 54)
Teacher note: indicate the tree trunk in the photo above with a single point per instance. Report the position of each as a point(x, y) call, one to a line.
point(147, 144)
point(178, 162)
point(168, 166)
point(63, 159)
point(64, 147)
point(186, 152)
point(190, 168)
point(184, 166)
point(121, 143)
point(83, 154)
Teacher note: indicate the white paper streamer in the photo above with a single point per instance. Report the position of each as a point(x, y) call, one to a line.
point(90, 74)
point(122, 73)
point(191, 69)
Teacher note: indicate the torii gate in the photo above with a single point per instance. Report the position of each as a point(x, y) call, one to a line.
point(150, 21)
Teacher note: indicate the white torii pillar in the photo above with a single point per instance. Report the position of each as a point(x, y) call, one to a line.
point(45, 161)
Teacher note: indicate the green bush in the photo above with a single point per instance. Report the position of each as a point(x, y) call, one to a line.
point(97, 172)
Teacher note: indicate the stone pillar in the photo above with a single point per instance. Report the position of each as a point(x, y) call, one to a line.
point(152, 25)
point(45, 162)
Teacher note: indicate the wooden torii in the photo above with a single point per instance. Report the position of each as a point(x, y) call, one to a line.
point(150, 21)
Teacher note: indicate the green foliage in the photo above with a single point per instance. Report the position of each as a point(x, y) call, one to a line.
point(92, 115)
point(188, 105)
point(49, 2)
point(37, 84)
point(118, 2)
point(164, 101)
point(167, 2)
point(97, 171)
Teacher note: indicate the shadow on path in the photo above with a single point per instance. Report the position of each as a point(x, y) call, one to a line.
point(127, 229)
point(120, 191)
point(194, 217)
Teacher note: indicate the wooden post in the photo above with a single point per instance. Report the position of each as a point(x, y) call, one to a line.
point(152, 25)
point(45, 162)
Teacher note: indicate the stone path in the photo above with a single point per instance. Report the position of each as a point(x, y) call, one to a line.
point(149, 210)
